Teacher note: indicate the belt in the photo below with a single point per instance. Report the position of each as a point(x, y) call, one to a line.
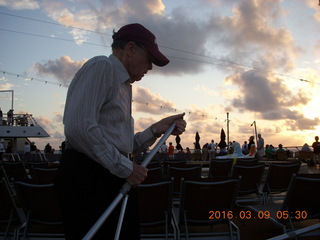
point(70, 147)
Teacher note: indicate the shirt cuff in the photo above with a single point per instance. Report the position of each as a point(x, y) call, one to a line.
point(118, 164)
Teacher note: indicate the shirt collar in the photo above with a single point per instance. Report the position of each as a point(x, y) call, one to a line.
point(123, 73)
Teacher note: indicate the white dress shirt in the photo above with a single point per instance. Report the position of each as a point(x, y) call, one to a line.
point(97, 117)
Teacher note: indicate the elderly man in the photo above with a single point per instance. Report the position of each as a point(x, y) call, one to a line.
point(100, 135)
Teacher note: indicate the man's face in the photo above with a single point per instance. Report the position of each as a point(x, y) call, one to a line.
point(140, 62)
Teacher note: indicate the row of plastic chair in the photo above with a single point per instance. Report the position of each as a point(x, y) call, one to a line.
point(200, 202)
point(197, 201)
point(203, 203)
point(43, 172)
point(25, 205)
point(256, 183)
point(301, 203)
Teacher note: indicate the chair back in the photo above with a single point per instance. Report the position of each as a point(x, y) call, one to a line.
point(15, 170)
point(199, 198)
point(220, 168)
point(192, 173)
point(196, 156)
point(11, 157)
point(6, 208)
point(9, 212)
point(281, 155)
point(304, 155)
point(39, 202)
point(41, 164)
point(247, 162)
point(172, 163)
point(251, 177)
point(309, 175)
point(155, 201)
point(154, 175)
point(153, 164)
point(155, 209)
point(302, 198)
point(36, 157)
point(279, 176)
point(45, 175)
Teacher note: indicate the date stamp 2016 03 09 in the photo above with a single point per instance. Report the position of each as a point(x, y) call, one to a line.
point(213, 215)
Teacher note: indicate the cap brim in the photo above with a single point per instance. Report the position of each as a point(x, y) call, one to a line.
point(157, 57)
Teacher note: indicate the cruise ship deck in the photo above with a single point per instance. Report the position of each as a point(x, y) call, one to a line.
point(252, 228)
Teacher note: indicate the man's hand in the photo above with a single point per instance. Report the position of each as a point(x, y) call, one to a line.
point(138, 175)
point(163, 125)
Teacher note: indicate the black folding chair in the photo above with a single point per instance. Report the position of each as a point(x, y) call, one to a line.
point(301, 203)
point(207, 204)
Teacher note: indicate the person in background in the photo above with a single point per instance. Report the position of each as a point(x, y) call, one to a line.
point(1, 117)
point(222, 146)
point(245, 149)
point(100, 136)
point(33, 148)
point(197, 148)
point(205, 152)
point(10, 117)
point(9, 148)
point(164, 148)
point(316, 150)
point(280, 148)
point(260, 147)
point(63, 146)
point(171, 151)
point(2, 148)
point(48, 148)
point(27, 149)
point(269, 152)
point(180, 150)
point(251, 141)
point(188, 150)
point(212, 150)
point(306, 148)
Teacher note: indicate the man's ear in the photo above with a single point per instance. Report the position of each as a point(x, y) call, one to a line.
point(130, 48)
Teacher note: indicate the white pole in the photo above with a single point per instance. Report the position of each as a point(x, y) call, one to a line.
point(126, 187)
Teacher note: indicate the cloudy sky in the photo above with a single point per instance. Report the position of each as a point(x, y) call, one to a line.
point(256, 60)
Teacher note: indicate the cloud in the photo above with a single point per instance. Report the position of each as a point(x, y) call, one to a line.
point(62, 69)
point(58, 117)
point(249, 41)
point(196, 114)
point(79, 20)
point(20, 4)
point(6, 86)
point(313, 5)
point(302, 124)
point(203, 89)
point(266, 94)
point(146, 101)
point(143, 123)
point(153, 7)
point(317, 50)
point(252, 33)
point(44, 122)
point(188, 40)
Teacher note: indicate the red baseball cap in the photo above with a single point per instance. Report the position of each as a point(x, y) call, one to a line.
point(137, 33)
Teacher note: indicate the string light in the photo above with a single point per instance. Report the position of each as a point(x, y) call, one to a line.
point(27, 78)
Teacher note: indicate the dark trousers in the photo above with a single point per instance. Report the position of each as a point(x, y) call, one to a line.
point(85, 190)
